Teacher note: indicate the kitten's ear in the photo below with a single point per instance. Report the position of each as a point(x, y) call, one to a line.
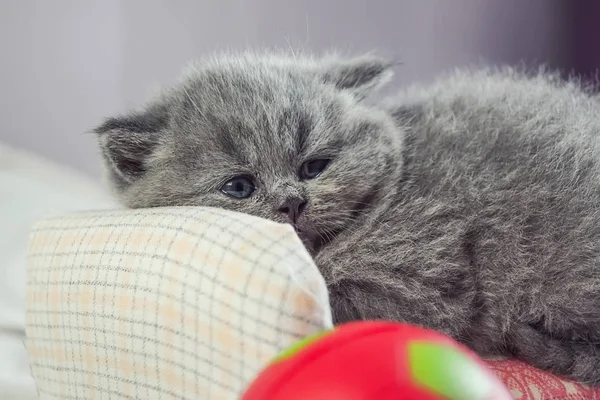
point(127, 141)
point(360, 75)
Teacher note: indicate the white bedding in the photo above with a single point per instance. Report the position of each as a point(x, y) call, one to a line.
point(30, 188)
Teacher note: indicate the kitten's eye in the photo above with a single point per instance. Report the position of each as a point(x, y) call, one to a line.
point(239, 187)
point(312, 169)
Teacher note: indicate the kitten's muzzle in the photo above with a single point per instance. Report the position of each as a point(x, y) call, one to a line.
point(293, 207)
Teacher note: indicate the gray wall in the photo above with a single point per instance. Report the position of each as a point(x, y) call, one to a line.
point(67, 63)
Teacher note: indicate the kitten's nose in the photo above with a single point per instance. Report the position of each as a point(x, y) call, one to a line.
point(293, 207)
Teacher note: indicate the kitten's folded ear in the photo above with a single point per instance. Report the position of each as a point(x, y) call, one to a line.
point(127, 141)
point(360, 75)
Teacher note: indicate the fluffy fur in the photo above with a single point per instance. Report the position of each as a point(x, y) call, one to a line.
point(471, 206)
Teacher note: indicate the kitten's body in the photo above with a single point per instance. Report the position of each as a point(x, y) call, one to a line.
point(471, 207)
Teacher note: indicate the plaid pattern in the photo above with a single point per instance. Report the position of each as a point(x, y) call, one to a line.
point(171, 303)
point(527, 383)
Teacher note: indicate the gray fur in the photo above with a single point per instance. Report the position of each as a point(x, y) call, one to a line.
point(471, 206)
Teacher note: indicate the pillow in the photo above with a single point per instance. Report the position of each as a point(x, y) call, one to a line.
point(170, 303)
point(30, 188)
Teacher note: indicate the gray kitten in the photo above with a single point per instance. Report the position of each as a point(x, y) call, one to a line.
point(471, 206)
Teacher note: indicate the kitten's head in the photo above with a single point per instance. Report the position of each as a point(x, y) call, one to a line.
point(281, 138)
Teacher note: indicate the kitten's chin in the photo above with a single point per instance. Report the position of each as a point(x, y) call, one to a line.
point(308, 237)
point(312, 237)
point(309, 245)
point(307, 240)
point(313, 241)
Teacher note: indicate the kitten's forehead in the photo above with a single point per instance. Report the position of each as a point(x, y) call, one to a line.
point(246, 113)
point(251, 88)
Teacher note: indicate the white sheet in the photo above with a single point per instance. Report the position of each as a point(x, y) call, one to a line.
point(30, 188)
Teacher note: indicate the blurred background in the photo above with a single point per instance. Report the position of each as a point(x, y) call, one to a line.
point(66, 64)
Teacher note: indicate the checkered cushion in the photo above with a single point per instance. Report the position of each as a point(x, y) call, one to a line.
point(173, 303)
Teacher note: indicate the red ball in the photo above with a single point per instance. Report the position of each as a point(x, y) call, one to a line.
point(377, 360)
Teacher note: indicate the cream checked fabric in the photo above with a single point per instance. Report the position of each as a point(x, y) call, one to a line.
point(165, 303)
